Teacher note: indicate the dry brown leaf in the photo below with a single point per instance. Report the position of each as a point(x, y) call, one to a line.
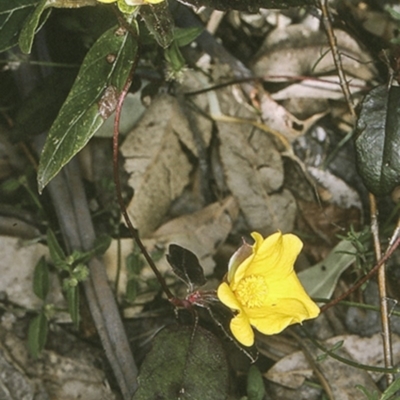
point(292, 370)
point(159, 168)
point(53, 376)
point(300, 51)
point(254, 172)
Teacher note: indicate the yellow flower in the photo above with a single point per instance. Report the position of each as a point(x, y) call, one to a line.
point(264, 289)
point(133, 2)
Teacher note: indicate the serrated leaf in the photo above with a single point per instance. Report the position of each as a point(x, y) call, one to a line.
point(184, 364)
point(41, 282)
point(320, 280)
point(378, 140)
point(56, 252)
point(91, 100)
point(30, 26)
point(247, 5)
point(186, 266)
point(37, 335)
point(12, 18)
point(72, 293)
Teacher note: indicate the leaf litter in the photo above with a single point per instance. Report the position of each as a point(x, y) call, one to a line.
point(164, 153)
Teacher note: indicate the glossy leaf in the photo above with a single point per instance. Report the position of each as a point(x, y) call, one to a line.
point(378, 140)
point(186, 266)
point(37, 335)
point(247, 5)
point(30, 26)
point(184, 364)
point(41, 282)
point(13, 15)
point(91, 100)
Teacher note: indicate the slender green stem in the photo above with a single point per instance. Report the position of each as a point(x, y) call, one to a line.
point(392, 370)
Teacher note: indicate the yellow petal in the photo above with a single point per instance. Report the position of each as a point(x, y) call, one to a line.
point(241, 329)
point(227, 297)
point(275, 318)
point(275, 256)
point(288, 287)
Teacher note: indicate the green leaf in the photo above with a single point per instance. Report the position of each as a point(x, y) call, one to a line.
point(321, 279)
point(255, 384)
point(391, 390)
point(134, 264)
point(92, 99)
point(378, 140)
point(12, 18)
point(101, 244)
point(185, 36)
point(37, 335)
point(159, 22)
point(30, 27)
point(56, 252)
point(41, 282)
point(72, 293)
point(184, 364)
point(174, 57)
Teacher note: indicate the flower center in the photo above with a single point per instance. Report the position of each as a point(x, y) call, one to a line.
point(252, 291)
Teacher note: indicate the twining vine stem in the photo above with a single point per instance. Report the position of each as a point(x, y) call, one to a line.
point(132, 229)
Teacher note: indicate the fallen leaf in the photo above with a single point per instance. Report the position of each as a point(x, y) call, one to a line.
point(159, 168)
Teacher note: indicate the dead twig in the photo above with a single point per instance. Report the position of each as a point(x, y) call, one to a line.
point(327, 21)
point(387, 343)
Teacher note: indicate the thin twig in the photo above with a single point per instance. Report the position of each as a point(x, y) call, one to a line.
point(387, 345)
point(390, 250)
point(327, 21)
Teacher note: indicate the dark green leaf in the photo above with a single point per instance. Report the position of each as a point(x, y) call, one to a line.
point(92, 99)
point(255, 384)
point(56, 252)
point(40, 108)
point(159, 22)
point(37, 334)
point(248, 5)
point(41, 279)
point(30, 26)
point(12, 18)
point(378, 140)
point(185, 36)
point(101, 244)
point(184, 364)
point(134, 265)
point(72, 293)
point(186, 266)
point(174, 57)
